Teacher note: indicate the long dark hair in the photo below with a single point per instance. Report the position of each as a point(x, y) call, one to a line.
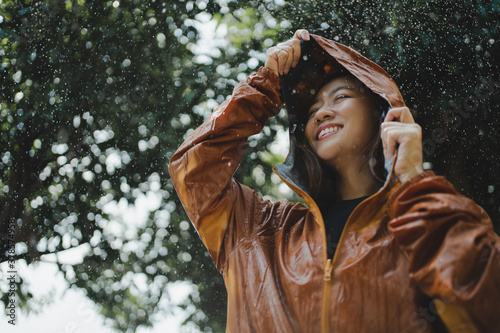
point(320, 178)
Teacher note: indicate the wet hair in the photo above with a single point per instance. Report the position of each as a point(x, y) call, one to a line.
point(320, 178)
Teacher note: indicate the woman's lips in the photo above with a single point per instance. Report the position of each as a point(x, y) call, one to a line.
point(327, 130)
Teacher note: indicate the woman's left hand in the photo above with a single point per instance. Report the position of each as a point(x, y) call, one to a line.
point(399, 131)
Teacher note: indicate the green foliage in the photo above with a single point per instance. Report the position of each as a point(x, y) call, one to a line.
point(95, 98)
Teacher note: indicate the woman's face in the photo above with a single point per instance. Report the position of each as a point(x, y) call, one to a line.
point(342, 120)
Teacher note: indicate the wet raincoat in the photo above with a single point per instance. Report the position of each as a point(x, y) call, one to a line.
point(414, 257)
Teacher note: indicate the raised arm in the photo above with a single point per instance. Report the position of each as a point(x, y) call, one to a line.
point(454, 251)
point(202, 168)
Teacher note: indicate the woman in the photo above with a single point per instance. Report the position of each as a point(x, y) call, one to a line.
point(412, 256)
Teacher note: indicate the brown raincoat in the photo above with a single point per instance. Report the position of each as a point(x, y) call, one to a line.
point(416, 257)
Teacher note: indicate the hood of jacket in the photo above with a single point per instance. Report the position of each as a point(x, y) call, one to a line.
point(321, 60)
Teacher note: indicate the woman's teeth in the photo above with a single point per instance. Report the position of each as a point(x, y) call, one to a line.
point(328, 130)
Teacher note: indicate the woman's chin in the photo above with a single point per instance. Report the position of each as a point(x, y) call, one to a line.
point(328, 156)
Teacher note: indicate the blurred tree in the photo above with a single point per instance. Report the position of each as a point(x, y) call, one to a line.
point(96, 96)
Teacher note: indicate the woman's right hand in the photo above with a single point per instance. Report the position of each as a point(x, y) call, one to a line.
point(282, 57)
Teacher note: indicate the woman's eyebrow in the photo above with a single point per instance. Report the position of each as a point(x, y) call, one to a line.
point(333, 91)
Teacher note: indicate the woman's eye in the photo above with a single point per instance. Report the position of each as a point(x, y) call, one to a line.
point(340, 96)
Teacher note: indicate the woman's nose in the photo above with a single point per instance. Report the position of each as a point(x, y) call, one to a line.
point(324, 113)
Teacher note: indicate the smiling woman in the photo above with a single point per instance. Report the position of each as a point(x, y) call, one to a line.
point(338, 121)
point(375, 249)
point(342, 129)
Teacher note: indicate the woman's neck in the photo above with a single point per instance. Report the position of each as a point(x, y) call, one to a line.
point(355, 180)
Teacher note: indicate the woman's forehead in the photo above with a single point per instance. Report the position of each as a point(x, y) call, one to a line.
point(342, 82)
point(347, 80)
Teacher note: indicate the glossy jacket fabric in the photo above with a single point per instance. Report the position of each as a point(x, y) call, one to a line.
point(416, 257)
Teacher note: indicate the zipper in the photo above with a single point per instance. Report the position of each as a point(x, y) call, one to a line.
point(328, 270)
point(325, 318)
point(327, 278)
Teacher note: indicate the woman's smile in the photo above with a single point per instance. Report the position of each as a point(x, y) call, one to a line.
point(327, 130)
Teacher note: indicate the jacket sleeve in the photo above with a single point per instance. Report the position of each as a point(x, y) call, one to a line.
point(454, 251)
point(202, 168)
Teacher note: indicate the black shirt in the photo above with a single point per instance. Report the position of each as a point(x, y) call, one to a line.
point(335, 217)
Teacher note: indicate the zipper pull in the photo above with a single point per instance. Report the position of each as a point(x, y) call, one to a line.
point(328, 270)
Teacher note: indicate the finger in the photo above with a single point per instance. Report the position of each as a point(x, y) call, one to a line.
point(393, 134)
point(272, 60)
point(396, 125)
point(389, 144)
point(282, 59)
point(301, 34)
point(289, 49)
point(272, 63)
point(396, 128)
point(393, 115)
point(389, 139)
point(305, 34)
point(402, 114)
